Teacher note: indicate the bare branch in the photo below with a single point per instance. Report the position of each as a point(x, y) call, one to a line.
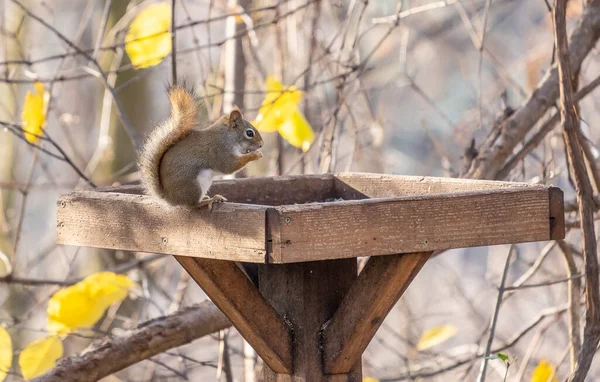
point(500, 144)
point(573, 301)
point(135, 140)
point(488, 347)
point(585, 193)
point(114, 353)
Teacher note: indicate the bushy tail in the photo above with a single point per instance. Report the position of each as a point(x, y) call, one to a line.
point(184, 117)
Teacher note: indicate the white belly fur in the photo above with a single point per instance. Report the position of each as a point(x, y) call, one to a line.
point(204, 180)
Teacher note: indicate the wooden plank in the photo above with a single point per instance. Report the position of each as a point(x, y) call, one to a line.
point(236, 296)
point(273, 236)
point(136, 223)
point(277, 377)
point(275, 191)
point(351, 185)
point(409, 224)
point(557, 214)
point(269, 191)
point(365, 306)
point(307, 295)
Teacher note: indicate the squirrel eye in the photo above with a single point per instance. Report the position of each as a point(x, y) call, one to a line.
point(250, 133)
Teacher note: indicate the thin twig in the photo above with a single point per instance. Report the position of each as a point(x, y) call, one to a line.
point(494, 152)
point(573, 301)
point(173, 44)
point(545, 283)
point(135, 140)
point(546, 128)
point(488, 347)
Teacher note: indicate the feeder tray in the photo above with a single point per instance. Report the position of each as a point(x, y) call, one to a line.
point(311, 315)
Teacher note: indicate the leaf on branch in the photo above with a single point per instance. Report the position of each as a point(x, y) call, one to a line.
point(543, 371)
point(5, 267)
point(6, 353)
point(83, 304)
point(436, 336)
point(279, 112)
point(40, 356)
point(148, 39)
point(34, 112)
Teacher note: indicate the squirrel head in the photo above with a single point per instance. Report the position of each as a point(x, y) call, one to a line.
point(246, 135)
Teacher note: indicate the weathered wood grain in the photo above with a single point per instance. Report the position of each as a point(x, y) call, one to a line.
point(352, 185)
point(307, 295)
point(410, 224)
point(393, 214)
point(269, 191)
point(136, 223)
point(235, 295)
point(379, 286)
point(557, 214)
point(275, 191)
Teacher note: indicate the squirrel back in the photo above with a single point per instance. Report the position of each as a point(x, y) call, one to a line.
point(185, 116)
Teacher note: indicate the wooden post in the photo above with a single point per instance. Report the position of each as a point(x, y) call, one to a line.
point(307, 295)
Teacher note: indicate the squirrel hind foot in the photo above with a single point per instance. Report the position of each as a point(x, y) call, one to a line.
point(208, 202)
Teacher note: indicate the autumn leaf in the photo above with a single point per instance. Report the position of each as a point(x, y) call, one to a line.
point(279, 112)
point(297, 131)
point(436, 336)
point(370, 379)
point(543, 371)
point(5, 267)
point(6, 353)
point(34, 112)
point(148, 39)
point(81, 305)
point(40, 356)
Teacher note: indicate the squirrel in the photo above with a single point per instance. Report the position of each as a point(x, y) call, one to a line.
point(180, 156)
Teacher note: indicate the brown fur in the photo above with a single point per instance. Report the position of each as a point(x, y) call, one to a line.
point(177, 150)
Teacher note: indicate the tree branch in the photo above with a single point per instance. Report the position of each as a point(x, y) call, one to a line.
point(585, 193)
point(573, 301)
point(501, 142)
point(112, 354)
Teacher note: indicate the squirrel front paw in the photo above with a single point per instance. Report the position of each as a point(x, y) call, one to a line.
point(253, 155)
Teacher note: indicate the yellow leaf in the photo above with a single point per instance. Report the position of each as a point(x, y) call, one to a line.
point(40, 356)
point(370, 379)
point(278, 105)
point(543, 371)
point(6, 353)
point(34, 112)
point(279, 112)
point(83, 304)
point(148, 39)
point(5, 266)
point(108, 287)
point(436, 336)
point(72, 308)
point(297, 131)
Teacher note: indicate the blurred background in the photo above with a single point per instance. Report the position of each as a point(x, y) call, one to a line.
point(398, 87)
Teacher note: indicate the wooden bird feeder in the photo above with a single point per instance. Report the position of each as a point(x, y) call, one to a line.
point(312, 315)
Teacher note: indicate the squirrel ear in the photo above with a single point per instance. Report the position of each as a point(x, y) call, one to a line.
point(235, 115)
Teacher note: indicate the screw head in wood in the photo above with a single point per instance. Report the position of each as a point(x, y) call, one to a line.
point(165, 240)
point(63, 204)
point(287, 220)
